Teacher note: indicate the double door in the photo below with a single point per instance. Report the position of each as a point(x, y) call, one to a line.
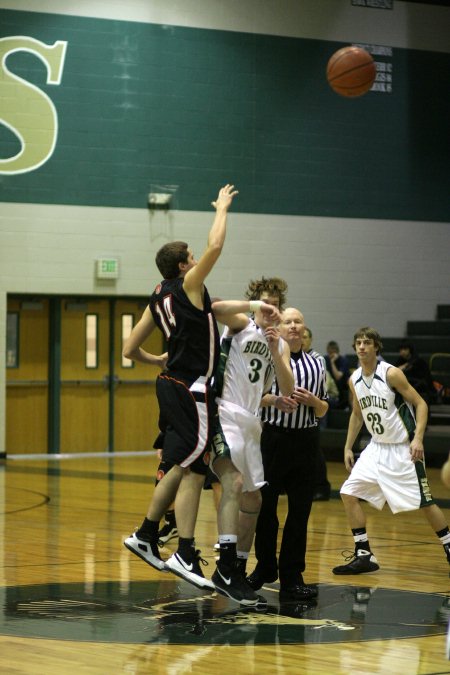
point(68, 387)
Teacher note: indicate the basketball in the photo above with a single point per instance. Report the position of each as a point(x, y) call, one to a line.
point(351, 71)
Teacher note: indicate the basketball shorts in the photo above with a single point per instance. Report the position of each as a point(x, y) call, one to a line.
point(164, 467)
point(237, 435)
point(385, 473)
point(187, 411)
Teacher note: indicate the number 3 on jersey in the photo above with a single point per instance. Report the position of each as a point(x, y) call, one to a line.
point(166, 315)
point(254, 375)
point(255, 365)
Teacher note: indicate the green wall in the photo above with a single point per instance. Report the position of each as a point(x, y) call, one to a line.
point(143, 104)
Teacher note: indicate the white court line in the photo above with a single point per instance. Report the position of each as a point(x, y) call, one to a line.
point(79, 455)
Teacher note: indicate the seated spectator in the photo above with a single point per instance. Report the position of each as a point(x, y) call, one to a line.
point(337, 367)
point(333, 391)
point(416, 370)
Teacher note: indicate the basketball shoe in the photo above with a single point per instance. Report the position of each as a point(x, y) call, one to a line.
point(231, 582)
point(189, 570)
point(146, 550)
point(361, 562)
point(447, 552)
point(167, 532)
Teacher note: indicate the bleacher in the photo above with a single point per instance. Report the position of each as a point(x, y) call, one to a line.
point(432, 340)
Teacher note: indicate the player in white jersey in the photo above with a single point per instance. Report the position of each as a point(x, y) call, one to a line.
point(251, 353)
point(392, 467)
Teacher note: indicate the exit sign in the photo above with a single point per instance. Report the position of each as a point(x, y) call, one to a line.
point(107, 268)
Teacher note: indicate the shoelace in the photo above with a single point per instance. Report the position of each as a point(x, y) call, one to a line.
point(198, 557)
point(348, 555)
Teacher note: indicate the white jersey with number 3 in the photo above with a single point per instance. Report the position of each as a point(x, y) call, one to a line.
point(246, 369)
point(388, 417)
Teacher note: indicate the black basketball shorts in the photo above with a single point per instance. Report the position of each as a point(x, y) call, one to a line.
point(187, 410)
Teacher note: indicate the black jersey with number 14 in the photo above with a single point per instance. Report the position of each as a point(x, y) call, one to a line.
point(192, 335)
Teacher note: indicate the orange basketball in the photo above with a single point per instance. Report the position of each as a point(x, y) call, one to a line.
point(351, 71)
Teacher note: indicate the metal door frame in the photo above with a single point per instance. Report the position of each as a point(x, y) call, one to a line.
point(54, 358)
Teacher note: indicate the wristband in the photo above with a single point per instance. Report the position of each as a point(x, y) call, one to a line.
point(255, 305)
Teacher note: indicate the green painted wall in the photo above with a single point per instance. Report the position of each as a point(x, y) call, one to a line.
point(142, 104)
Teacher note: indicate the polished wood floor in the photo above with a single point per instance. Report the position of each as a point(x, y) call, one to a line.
point(74, 600)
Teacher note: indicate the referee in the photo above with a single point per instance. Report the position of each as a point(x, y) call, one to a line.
point(289, 447)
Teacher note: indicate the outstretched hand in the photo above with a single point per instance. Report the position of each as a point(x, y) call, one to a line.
point(270, 312)
point(225, 197)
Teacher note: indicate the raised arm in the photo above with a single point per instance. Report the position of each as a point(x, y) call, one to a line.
point(282, 362)
point(231, 312)
point(132, 348)
point(195, 277)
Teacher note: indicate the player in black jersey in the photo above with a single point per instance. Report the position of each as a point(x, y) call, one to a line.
point(180, 307)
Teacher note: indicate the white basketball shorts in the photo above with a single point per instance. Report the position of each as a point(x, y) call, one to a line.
point(238, 436)
point(385, 473)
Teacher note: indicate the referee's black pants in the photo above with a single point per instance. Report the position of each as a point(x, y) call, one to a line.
point(290, 461)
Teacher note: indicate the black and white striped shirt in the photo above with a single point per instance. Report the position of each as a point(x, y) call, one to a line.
point(309, 374)
point(312, 352)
